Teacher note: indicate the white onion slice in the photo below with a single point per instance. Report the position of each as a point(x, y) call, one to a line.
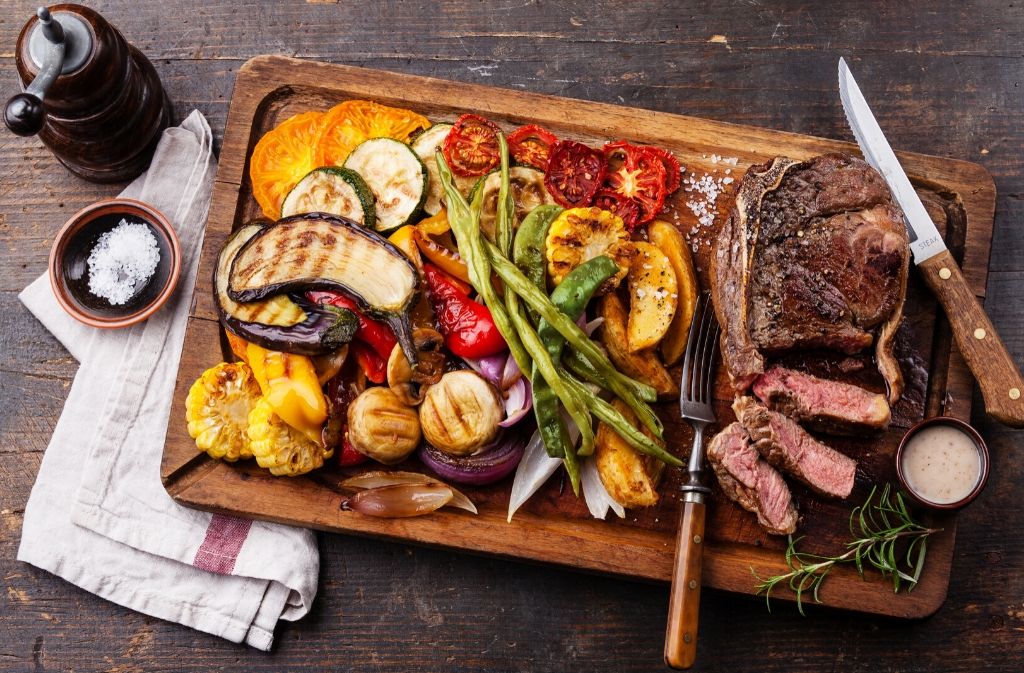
point(535, 468)
point(599, 501)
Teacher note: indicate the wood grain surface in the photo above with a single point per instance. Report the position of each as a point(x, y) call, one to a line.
point(943, 78)
point(554, 527)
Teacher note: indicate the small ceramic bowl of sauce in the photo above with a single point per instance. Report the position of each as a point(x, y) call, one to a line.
point(114, 263)
point(942, 463)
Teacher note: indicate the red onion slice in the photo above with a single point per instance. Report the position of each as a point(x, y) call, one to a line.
point(483, 467)
point(490, 367)
point(518, 402)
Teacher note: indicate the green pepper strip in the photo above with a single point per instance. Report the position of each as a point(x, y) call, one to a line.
point(610, 415)
point(528, 247)
point(572, 295)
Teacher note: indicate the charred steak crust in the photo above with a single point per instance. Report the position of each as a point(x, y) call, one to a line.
point(788, 447)
point(829, 406)
point(748, 480)
point(814, 255)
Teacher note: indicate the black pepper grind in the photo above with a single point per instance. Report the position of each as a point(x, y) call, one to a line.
point(96, 101)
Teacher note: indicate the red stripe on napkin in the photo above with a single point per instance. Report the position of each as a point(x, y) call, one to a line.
point(224, 539)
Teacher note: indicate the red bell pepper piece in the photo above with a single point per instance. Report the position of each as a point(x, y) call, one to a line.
point(348, 456)
point(372, 332)
point(468, 328)
point(373, 365)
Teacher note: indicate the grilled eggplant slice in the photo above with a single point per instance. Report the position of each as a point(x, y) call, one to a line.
point(316, 251)
point(280, 322)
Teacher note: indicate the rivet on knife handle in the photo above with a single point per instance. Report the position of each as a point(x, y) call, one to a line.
point(998, 376)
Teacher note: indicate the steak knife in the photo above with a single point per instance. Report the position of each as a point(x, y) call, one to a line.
point(997, 374)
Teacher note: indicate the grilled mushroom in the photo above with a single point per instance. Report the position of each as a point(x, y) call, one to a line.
point(410, 383)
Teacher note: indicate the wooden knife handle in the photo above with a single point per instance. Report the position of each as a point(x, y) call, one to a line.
point(998, 376)
point(684, 601)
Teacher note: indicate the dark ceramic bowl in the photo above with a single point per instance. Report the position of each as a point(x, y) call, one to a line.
point(982, 452)
point(69, 270)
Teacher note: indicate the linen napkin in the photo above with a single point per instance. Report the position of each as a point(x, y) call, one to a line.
point(120, 536)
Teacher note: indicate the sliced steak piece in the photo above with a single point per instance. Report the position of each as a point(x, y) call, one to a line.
point(829, 406)
point(751, 482)
point(814, 255)
point(791, 449)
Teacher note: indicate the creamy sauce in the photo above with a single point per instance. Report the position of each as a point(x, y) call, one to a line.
point(941, 464)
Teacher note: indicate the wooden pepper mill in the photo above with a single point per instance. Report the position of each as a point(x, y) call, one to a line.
point(96, 101)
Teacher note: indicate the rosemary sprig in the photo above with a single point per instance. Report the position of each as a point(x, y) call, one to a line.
point(880, 530)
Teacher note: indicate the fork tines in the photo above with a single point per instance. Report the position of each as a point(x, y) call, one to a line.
point(698, 365)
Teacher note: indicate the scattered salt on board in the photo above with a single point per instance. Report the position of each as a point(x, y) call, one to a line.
point(122, 262)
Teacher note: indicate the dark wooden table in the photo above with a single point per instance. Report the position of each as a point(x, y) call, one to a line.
point(944, 78)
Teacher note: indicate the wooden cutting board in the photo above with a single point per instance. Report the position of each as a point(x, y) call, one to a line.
point(554, 527)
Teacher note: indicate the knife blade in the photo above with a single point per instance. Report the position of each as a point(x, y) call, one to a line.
point(998, 376)
point(925, 240)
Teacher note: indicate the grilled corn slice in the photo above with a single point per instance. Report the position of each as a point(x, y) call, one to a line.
point(279, 447)
point(217, 410)
point(580, 234)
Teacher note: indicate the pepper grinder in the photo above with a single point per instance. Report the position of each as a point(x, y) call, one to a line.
point(94, 100)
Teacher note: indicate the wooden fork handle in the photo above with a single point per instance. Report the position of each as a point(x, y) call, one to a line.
point(998, 376)
point(684, 601)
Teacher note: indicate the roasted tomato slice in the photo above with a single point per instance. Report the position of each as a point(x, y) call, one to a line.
point(471, 147)
point(531, 145)
point(673, 171)
point(574, 173)
point(351, 122)
point(627, 209)
point(638, 174)
point(281, 158)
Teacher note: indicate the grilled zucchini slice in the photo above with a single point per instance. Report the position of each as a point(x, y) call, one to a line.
point(327, 252)
point(425, 145)
point(335, 191)
point(397, 178)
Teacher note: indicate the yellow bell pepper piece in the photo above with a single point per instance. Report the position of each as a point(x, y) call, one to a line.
point(447, 260)
point(435, 225)
point(289, 384)
point(404, 241)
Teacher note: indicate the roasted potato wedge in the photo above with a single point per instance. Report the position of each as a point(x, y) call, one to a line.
point(669, 240)
point(630, 477)
point(652, 297)
point(644, 366)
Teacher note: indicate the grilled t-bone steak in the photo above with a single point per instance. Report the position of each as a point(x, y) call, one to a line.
point(828, 406)
point(814, 255)
point(791, 449)
point(754, 484)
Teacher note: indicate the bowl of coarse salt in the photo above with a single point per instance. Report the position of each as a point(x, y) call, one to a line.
point(114, 263)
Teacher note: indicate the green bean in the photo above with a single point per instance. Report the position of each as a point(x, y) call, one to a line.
point(570, 399)
point(522, 286)
point(464, 221)
point(505, 209)
point(581, 367)
point(619, 423)
point(522, 339)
